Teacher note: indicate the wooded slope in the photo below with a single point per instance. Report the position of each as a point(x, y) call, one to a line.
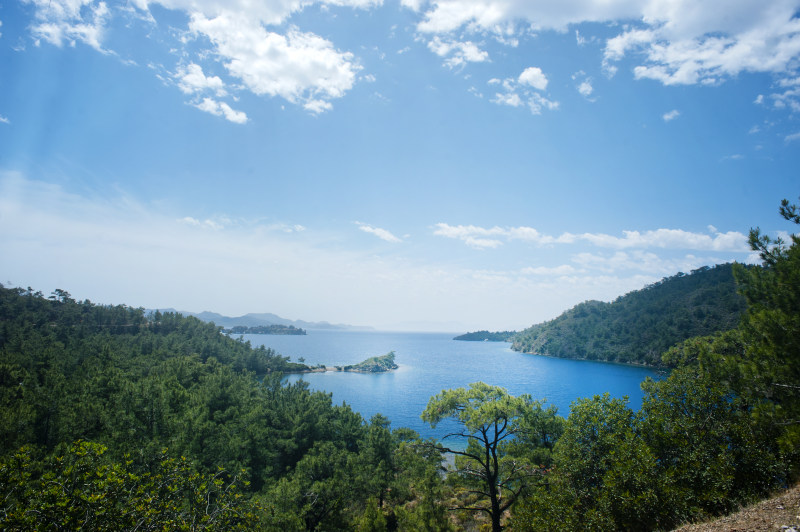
point(639, 326)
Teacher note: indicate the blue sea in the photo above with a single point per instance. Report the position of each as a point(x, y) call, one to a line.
point(432, 362)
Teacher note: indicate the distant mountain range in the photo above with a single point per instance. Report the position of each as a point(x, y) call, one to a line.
point(262, 319)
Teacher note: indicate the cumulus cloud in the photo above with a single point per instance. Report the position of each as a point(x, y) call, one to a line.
point(585, 89)
point(674, 41)
point(383, 234)
point(533, 77)
point(790, 97)
point(524, 91)
point(192, 80)
point(300, 67)
point(4, 120)
point(671, 115)
point(216, 108)
point(476, 236)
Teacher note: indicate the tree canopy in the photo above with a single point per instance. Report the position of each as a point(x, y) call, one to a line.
point(639, 326)
point(496, 465)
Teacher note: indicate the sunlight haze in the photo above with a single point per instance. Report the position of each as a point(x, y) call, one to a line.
point(444, 166)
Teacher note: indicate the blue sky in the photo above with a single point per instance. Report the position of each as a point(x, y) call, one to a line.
point(448, 165)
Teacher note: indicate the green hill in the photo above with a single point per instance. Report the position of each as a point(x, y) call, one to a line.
point(641, 325)
point(486, 336)
point(373, 364)
point(115, 419)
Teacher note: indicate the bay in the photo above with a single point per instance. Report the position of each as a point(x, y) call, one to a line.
point(432, 362)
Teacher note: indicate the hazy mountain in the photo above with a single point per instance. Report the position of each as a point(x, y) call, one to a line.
point(257, 319)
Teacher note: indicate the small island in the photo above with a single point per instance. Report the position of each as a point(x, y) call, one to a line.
point(372, 365)
point(486, 336)
point(265, 329)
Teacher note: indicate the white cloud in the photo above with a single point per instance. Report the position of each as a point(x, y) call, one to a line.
point(585, 89)
point(670, 239)
point(457, 53)
point(70, 21)
point(659, 238)
point(639, 261)
point(508, 98)
point(790, 97)
point(4, 120)
point(302, 68)
point(671, 115)
point(274, 12)
point(674, 41)
point(564, 269)
point(793, 137)
point(206, 224)
point(759, 99)
point(216, 108)
point(118, 250)
point(533, 77)
point(518, 92)
point(383, 234)
point(191, 80)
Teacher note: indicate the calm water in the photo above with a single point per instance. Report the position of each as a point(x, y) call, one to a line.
point(432, 362)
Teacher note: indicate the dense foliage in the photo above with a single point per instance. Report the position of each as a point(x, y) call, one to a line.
point(378, 364)
point(508, 444)
point(722, 429)
point(265, 329)
point(639, 326)
point(486, 336)
point(166, 409)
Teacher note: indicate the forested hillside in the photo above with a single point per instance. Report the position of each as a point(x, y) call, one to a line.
point(722, 429)
point(110, 419)
point(639, 326)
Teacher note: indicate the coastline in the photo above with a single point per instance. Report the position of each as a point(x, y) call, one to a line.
point(633, 364)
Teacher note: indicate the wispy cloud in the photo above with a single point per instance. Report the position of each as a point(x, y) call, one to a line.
point(4, 120)
point(457, 53)
point(383, 234)
point(671, 115)
point(793, 137)
point(480, 237)
point(733, 157)
point(66, 21)
point(564, 269)
point(118, 250)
